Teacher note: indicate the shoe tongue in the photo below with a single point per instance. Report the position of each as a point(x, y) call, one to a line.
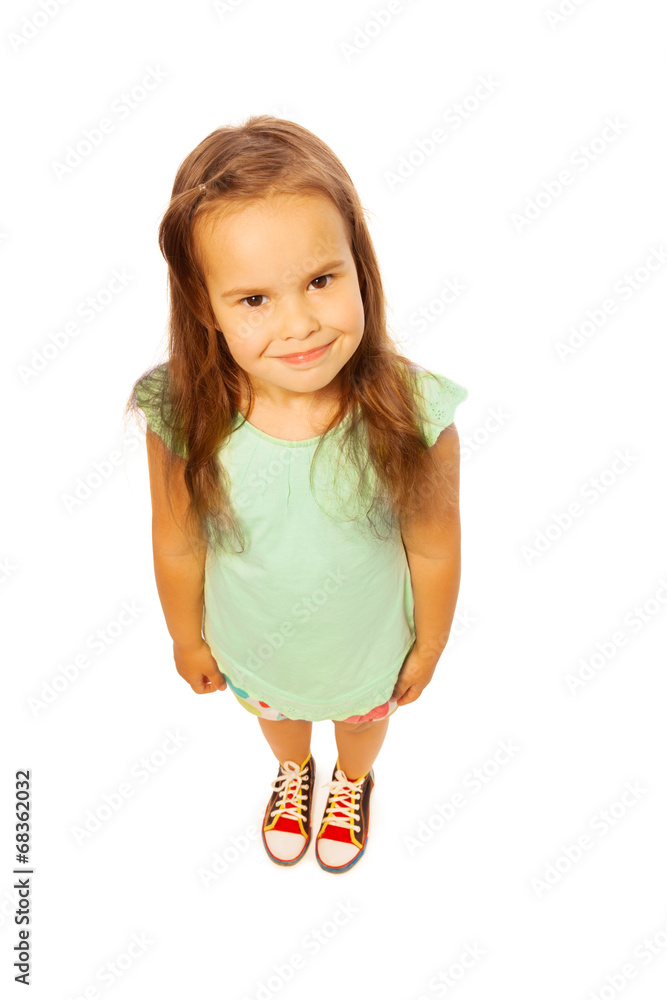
point(341, 833)
point(288, 823)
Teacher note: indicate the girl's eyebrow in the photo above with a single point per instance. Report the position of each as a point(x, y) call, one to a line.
point(323, 268)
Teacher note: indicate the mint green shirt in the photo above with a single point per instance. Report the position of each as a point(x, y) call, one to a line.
point(316, 616)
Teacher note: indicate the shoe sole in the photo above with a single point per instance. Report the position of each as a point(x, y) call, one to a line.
point(286, 864)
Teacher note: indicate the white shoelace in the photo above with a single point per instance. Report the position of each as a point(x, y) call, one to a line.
point(343, 790)
point(290, 780)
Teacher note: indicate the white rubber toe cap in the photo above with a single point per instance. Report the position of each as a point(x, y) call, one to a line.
point(284, 846)
point(335, 853)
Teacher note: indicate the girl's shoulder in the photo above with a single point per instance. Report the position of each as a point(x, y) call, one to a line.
point(151, 395)
point(437, 397)
point(151, 392)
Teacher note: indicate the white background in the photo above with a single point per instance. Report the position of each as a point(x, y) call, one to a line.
point(540, 432)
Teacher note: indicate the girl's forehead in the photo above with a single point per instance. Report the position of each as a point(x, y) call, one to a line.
point(294, 207)
point(302, 223)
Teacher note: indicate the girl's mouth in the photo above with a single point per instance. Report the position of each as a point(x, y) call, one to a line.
point(305, 358)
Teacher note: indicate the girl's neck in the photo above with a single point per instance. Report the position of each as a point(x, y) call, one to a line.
point(308, 405)
point(307, 416)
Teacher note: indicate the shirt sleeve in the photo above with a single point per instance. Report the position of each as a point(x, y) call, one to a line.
point(438, 397)
point(152, 397)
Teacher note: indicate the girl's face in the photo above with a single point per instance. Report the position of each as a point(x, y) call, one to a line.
point(282, 281)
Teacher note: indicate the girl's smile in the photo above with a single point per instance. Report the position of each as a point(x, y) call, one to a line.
point(307, 358)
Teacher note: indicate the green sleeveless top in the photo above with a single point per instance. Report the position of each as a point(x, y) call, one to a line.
point(316, 616)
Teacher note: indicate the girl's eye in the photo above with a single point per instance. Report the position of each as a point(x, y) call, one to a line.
point(248, 297)
point(321, 278)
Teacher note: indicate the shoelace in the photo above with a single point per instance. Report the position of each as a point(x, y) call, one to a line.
point(291, 781)
point(343, 801)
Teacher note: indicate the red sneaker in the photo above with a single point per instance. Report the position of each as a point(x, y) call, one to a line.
point(286, 826)
point(344, 831)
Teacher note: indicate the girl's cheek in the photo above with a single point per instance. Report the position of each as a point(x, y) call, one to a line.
point(252, 326)
point(350, 315)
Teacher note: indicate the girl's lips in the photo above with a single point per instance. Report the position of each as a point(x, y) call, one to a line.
point(304, 359)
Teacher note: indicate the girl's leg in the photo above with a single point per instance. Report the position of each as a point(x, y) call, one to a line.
point(288, 738)
point(358, 745)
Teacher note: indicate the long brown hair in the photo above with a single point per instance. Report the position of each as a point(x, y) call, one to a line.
point(196, 393)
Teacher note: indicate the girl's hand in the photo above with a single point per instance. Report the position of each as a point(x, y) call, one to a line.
point(415, 674)
point(197, 666)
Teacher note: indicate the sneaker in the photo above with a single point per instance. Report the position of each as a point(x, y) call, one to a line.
point(286, 827)
point(344, 831)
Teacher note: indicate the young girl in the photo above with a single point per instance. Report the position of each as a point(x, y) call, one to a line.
point(304, 475)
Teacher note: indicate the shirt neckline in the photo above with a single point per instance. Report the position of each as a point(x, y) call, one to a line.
point(242, 422)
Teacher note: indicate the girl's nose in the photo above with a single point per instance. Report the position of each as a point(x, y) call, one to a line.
point(296, 319)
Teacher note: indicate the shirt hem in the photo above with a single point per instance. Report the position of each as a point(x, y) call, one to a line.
point(296, 708)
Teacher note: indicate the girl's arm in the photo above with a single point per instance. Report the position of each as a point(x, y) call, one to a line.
point(179, 565)
point(433, 550)
point(435, 585)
